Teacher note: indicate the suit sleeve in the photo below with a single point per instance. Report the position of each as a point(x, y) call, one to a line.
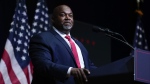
point(42, 58)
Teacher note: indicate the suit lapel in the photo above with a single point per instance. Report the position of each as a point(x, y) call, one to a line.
point(66, 45)
point(81, 48)
point(62, 41)
point(82, 52)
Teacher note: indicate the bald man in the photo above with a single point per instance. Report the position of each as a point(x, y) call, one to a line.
point(57, 57)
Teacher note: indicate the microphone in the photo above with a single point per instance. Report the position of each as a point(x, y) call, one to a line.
point(111, 34)
point(106, 30)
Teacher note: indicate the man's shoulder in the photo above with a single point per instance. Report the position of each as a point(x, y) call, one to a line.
point(43, 33)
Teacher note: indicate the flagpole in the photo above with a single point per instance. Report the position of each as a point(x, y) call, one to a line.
point(138, 4)
point(138, 10)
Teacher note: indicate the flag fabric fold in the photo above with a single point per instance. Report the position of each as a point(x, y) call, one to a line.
point(140, 40)
point(41, 21)
point(15, 65)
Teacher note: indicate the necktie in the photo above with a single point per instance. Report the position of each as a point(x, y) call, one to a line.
point(74, 50)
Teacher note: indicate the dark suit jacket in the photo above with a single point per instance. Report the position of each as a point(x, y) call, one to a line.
point(51, 57)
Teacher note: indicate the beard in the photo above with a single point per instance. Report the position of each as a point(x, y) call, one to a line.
point(68, 27)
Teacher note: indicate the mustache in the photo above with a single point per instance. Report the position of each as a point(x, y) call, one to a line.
point(69, 22)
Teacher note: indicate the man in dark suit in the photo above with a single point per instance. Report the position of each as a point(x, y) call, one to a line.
point(52, 56)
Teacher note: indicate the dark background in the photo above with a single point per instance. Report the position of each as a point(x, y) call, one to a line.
point(117, 15)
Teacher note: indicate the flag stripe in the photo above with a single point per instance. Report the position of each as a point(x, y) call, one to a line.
point(11, 73)
point(16, 68)
point(15, 65)
point(4, 74)
point(30, 69)
point(1, 78)
point(27, 74)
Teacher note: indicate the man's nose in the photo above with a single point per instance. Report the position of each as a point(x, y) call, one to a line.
point(67, 17)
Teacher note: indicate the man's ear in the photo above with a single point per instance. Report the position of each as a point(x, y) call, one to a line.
point(52, 20)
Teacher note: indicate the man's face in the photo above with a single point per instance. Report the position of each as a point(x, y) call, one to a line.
point(64, 18)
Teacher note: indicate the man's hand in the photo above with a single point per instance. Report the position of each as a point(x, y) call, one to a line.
point(80, 75)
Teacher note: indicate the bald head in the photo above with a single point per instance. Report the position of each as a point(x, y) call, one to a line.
point(60, 8)
point(62, 18)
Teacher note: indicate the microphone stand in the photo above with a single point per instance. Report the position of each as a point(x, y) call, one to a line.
point(111, 34)
point(125, 42)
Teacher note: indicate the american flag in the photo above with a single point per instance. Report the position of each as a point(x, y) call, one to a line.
point(140, 40)
point(15, 65)
point(41, 19)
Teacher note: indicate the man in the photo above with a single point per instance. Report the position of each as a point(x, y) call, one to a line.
point(52, 56)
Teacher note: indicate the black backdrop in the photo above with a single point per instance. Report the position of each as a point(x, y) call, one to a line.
point(117, 15)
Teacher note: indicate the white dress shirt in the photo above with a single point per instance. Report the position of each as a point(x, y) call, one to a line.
point(77, 47)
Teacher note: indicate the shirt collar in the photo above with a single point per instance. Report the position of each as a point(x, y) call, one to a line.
point(60, 33)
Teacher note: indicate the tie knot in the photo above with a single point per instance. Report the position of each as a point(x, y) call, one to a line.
point(67, 37)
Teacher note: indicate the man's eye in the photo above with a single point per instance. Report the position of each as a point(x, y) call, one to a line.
point(62, 15)
point(71, 15)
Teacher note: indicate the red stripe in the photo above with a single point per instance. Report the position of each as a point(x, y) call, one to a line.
point(31, 66)
point(1, 79)
point(25, 70)
point(11, 73)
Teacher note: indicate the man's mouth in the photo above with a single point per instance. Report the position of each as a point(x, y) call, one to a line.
point(67, 23)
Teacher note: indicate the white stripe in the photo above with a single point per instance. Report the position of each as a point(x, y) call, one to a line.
point(15, 66)
point(30, 74)
point(4, 72)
